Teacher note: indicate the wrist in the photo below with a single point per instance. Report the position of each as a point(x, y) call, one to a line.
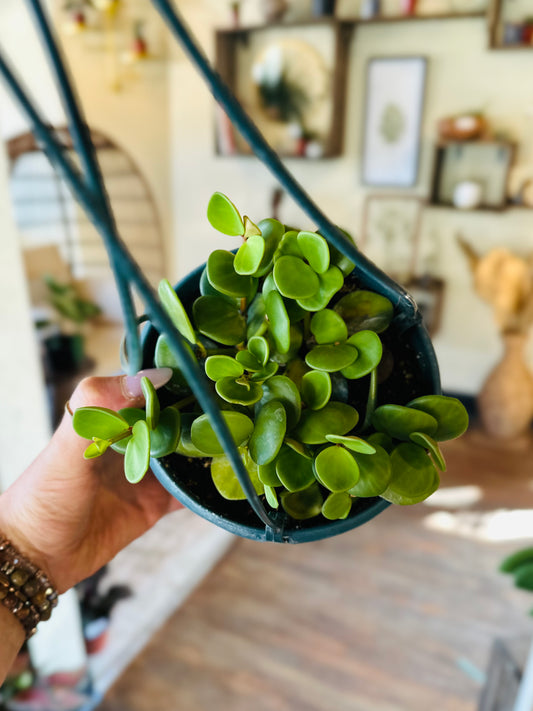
point(25, 590)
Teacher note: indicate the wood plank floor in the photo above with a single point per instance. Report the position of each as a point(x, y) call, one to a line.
point(395, 616)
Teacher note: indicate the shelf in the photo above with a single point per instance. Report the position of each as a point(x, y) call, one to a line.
point(419, 18)
point(510, 206)
point(351, 21)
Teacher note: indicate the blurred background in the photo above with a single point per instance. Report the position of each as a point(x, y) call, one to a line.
point(410, 123)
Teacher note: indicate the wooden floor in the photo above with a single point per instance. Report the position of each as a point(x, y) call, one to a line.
point(393, 616)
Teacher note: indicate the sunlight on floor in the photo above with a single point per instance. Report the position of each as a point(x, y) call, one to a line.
point(494, 526)
point(455, 497)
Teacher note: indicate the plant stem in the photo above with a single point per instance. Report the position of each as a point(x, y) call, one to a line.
point(372, 397)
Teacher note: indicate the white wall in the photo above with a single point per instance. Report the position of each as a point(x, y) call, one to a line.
point(462, 75)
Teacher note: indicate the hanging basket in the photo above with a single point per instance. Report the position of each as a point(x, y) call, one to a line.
point(415, 373)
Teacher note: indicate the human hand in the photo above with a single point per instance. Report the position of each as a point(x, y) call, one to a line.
point(71, 515)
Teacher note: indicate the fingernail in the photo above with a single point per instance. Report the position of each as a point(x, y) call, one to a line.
point(131, 384)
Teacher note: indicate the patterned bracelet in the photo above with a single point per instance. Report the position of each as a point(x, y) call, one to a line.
point(24, 589)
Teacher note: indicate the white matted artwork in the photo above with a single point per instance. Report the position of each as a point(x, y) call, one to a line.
point(394, 106)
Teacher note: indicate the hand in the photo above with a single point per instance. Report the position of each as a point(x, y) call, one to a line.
point(71, 515)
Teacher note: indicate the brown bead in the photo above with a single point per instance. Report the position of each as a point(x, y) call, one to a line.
point(31, 587)
point(4, 579)
point(39, 598)
point(46, 614)
point(12, 604)
point(19, 577)
point(3, 593)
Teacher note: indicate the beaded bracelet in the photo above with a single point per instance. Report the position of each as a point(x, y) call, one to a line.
point(24, 589)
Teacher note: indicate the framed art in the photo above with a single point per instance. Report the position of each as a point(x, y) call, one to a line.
point(395, 88)
point(483, 164)
point(291, 80)
point(390, 232)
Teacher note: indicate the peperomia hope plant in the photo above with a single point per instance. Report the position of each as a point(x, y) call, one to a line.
point(283, 340)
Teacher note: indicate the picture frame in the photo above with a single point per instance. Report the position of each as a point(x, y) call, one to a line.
point(485, 164)
point(390, 232)
point(394, 106)
point(291, 80)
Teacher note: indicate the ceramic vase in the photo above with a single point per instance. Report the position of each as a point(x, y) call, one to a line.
point(506, 398)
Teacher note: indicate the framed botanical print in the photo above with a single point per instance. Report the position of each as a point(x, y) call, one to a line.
point(395, 88)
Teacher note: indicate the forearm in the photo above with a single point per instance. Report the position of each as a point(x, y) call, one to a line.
point(11, 640)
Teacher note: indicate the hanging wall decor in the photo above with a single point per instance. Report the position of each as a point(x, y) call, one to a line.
point(394, 106)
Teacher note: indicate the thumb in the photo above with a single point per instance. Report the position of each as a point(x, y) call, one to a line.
point(117, 391)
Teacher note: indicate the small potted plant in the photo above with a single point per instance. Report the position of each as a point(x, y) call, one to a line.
point(65, 350)
point(328, 397)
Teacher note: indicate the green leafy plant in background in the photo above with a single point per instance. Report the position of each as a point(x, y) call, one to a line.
point(68, 303)
point(282, 337)
point(520, 566)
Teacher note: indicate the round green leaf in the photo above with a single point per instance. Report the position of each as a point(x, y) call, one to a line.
point(249, 255)
point(336, 469)
point(131, 415)
point(220, 320)
point(224, 216)
point(295, 343)
point(265, 373)
point(375, 473)
point(328, 327)
point(239, 393)
point(283, 390)
point(414, 477)
point(329, 284)
point(334, 418)
point(268, 285)
point(424, 440)
point(331, 358)
point(225, 479)
point(222, 275)
point(271, 497)
point(207, 289)
point(152, 403)
point(294, 278)
point(370, 350)
point(279, 324)
point(165, 358)
point(399, 421)
point(204, 438)
point(267, 474)
point(316, 389)
point(222, 366)
point(315, 249)
point(380, 439)
point(268, 434)
point(365, 310)
point(302, 505)
point(288, 246)
point(299, 447)
point(137, 457)
point(258, 347)
point(175, 309)
point(185, 446)
point(256, 317)
point(248, 361)
point(337, 258)
point(164, 439)
point(272, 232)
point(353, 443)
point(98, 422)
point(450, 413)
point(337, 506)
point(294, 471)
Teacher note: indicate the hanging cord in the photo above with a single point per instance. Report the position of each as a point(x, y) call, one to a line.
point(90, 192)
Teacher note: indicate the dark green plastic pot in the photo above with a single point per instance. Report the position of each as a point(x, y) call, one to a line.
point(189, 481)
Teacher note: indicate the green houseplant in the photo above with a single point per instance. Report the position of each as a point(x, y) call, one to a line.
point(331, 413)
point(66, 349)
